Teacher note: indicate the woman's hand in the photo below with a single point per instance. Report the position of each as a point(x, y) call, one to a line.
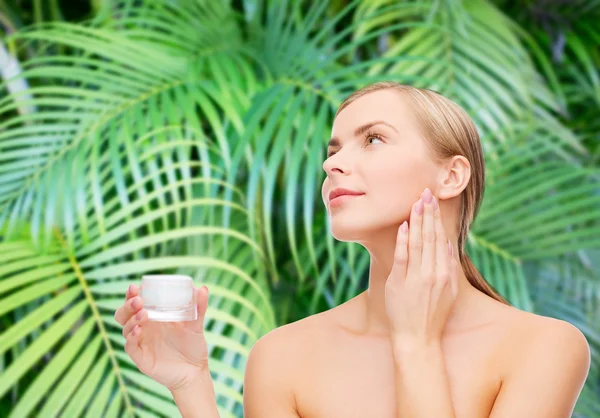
point(172, 353)
point(423, 283)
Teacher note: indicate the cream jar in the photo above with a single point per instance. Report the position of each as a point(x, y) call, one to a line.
point(169, 297)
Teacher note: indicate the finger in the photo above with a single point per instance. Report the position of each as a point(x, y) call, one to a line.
point(130, 307)
point(132, 344)
point(428, 233)
point(201, 306)
point(138, 319)
point(454, 271)
point(400, 253)
point(442, 256)
point(415, 244)
point(132, 291)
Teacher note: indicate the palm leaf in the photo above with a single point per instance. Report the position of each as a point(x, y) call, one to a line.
point(90, 279)
point(155, 93)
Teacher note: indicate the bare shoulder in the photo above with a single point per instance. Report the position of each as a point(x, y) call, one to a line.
point(529, 335)
point(557, 331)
point(545, 335)
point(556, 338)
point(286, 338)
point(544, 359)
point(290, 342)
point(272, 368)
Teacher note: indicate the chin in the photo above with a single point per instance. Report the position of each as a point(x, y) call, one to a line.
point(360, 228)
point(346, 236)
point(350, 228)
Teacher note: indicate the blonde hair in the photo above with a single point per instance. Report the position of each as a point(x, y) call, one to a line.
point(449, 131)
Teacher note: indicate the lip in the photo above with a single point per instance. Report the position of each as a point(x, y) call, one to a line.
point(340, 191)
point(339, 200)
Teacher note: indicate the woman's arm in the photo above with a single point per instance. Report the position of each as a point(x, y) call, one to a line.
point(422, 387)
point(267, 383)
point(196, 399)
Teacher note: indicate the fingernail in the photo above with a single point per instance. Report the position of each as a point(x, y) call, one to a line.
point(134, 303)
point(419, 207)
point(129, 289)
point(435, 203)
point(404, 227)
point(139, 315)
point(427, 195)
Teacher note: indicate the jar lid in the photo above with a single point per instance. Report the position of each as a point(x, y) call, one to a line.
point(168, 277)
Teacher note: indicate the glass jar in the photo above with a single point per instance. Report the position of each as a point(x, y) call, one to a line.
point(169, 297)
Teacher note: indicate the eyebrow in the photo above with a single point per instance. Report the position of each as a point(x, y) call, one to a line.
point(335, 141)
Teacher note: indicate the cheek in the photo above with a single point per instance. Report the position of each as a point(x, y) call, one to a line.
point(395, 186)
point(324, 189)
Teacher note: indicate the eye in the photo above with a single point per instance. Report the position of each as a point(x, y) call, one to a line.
point(373, 136)
point(368, 136)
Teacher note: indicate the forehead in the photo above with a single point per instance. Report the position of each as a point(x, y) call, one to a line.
point(386, 105)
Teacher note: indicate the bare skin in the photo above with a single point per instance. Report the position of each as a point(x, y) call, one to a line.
point(342, 372)
point(345, 372)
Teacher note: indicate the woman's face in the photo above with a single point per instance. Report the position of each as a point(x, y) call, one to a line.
point(389, 164)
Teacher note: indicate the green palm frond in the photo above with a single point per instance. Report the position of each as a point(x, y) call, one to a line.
point(185, 136)
point(75, 290)
point(582, 83)
point(131, 80)
point(473, 55)
point(538, 206)
point(501, 270)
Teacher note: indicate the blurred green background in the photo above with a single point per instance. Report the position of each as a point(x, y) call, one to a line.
point(188, 136)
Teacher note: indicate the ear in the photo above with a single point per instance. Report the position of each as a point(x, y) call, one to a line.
point(453, 177)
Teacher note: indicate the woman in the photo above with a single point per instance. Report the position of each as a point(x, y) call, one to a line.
point(429, 337)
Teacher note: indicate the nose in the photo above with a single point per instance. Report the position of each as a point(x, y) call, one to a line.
point(335, 164)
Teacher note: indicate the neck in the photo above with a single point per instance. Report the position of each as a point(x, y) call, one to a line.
point(375, 321)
